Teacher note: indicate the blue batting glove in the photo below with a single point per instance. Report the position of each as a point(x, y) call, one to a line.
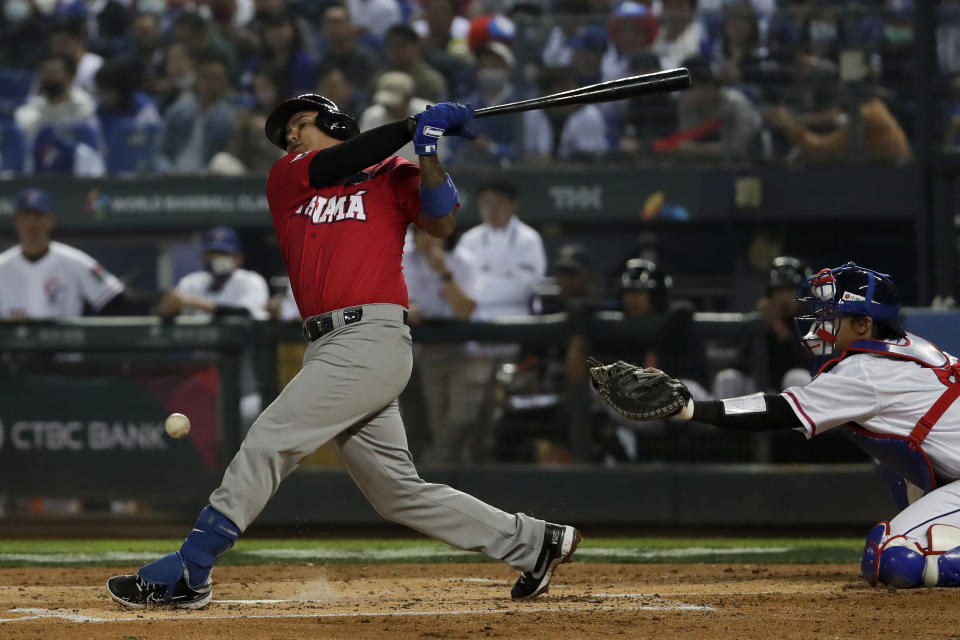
point(435, 121)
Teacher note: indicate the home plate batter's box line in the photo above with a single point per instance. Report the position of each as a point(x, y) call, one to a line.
point(70, 616)
point(388, 555)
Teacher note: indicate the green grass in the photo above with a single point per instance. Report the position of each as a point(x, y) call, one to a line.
point(74, 553)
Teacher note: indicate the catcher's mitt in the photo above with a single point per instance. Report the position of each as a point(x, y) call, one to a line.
point(636, 394)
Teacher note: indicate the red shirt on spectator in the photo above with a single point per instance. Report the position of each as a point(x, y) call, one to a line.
point(342, 244)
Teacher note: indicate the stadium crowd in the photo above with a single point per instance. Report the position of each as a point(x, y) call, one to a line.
point(94, 87)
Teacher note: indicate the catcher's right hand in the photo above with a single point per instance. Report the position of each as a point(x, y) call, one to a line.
point(639, 394)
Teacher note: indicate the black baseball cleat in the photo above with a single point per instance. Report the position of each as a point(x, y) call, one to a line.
point(135, 592)
point(559, 543)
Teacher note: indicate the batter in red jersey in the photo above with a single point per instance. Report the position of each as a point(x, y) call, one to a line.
point(341, 204)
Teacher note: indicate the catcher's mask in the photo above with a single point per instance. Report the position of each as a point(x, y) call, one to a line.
point(849, 290)
point(330, 119)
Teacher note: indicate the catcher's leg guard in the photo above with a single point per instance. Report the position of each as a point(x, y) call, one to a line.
point(943, 562)
point(212, 536)
point(871, 551)
point(895, 561)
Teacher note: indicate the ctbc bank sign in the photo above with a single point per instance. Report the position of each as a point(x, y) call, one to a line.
point(93, 435)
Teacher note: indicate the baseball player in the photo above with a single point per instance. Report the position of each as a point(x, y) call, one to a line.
point(222, 288)
point(41, 279)
point(890, 391)
point(340, 206)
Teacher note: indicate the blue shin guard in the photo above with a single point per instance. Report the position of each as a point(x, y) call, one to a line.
point(212, 536)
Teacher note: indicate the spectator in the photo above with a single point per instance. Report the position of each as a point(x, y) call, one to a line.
point(569, 16)
point(444, 36)
point(60, 123)
point(41, 279)
point(443, 29)
point(880, 134)
point(333, 83)
point(506, 253)
point(69, 37)
point(178, 78)
point(681, 35)
point(721, 123)
point(203, 41)
point(772, 358)
point(493, 27)
point(223, 288)
point(741, 58)
point(633, 29)
point(567, 133)
point(128, 118)
point(588, 48)
point(200, 123)
point(356, 60)
point(147, 55)
point(375, 16)
point(497, 137)
point(248, 145)
point(393, 100)
point(439, 282)
point(811, 92)
point(646, 118)
point(283, 56)
point(402, 51)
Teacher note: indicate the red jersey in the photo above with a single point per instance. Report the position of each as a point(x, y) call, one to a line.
point(343, 243)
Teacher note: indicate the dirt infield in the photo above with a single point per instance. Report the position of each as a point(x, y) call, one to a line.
point(472, 601)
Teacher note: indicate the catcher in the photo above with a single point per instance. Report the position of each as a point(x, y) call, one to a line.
point(891, 392)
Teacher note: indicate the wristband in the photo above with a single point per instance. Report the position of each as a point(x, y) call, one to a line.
point(438, 201)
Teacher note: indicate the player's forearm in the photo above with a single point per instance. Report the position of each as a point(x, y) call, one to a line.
point(431, 171)
point(358, 153)
point(461, 304)
point(751, 413)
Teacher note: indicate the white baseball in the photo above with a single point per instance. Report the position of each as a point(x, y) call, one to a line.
point(177, 425)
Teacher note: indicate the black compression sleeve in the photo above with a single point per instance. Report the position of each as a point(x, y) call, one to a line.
point(778, 415)
point(370, 147)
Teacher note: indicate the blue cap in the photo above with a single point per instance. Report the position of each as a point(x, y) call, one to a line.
point(590, 37)
point(222, 239)
point(34, 200)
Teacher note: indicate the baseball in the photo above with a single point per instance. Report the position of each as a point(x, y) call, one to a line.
point(177, 425)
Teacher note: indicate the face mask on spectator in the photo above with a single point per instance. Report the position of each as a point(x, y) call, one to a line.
point(222, 266)
point(491, 81)
point(52, 89)
point(16, 11)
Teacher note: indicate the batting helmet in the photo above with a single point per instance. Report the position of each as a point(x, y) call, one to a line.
point(330, 119)
point(641, 274)
point(849, 290)
point(787, 272)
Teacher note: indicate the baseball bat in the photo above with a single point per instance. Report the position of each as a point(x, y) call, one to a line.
point(641, 85)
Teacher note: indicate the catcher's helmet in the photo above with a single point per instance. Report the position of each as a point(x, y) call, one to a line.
point(847, 290)
point(787, 273)
point(641, 274)
point(330, 119)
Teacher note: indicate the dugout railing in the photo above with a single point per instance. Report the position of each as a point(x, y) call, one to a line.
point(82, 405)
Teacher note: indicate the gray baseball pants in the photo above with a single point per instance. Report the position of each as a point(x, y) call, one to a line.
point(346, 391)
